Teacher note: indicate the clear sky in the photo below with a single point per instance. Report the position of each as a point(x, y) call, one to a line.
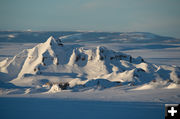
point(157, 16)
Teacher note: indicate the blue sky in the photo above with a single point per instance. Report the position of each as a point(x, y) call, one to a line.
point(156, 16)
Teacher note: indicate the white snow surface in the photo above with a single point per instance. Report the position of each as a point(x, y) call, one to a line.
point(71, 80)
point(83, 69)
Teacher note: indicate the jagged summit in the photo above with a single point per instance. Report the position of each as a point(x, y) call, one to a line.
point(53, 62)
point(52, 41)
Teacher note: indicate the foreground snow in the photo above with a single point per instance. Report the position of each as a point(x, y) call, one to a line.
point(92, 104)
point(40, 108)
point(119, 94)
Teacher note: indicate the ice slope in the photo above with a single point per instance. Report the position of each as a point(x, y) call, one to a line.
point(83, 69)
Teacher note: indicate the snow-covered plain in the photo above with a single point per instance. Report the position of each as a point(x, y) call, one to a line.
point(105, 76)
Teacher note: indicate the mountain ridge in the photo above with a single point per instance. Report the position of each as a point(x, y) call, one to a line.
point(81, 68)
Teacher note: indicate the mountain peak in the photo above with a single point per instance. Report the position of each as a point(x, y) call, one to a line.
point(77, 66)
point(52, 41)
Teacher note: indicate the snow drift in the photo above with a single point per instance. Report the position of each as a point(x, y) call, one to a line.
point(83, 68)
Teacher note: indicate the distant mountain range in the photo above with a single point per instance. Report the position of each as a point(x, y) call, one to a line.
point(80, 37)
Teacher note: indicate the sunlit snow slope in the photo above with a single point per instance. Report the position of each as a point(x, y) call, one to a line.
point(52, 66)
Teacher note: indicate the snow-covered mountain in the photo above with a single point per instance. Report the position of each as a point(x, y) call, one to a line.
point(56, 66)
